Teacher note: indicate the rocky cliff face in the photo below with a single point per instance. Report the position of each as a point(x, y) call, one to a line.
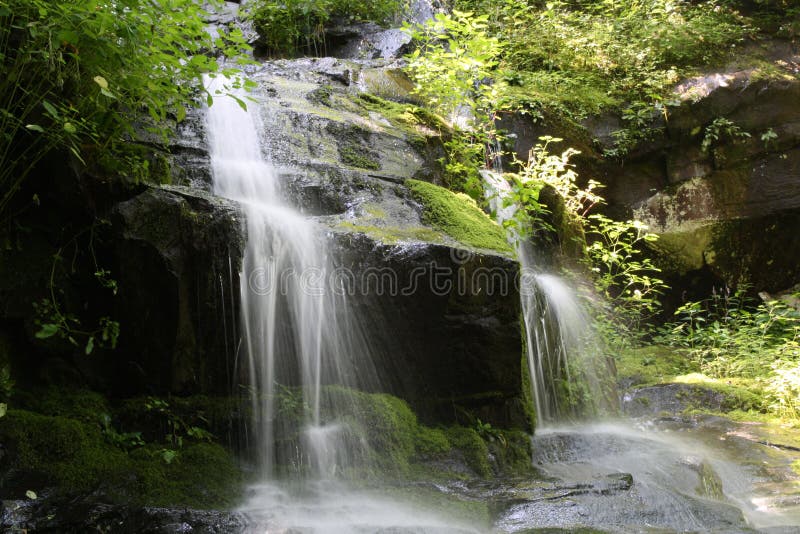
point(343, 143)
point(720, 180)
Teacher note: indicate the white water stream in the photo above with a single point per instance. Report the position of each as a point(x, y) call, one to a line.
point(299, 336)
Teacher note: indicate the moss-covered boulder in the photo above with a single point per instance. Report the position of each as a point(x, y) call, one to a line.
point(459, 216)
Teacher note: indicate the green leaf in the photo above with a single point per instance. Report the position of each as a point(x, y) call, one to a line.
point(50, 109)
point(89, 345)
point(102, 82)
point(70, 128)
point(3, 409)
point(107, 93)
point(35, 128)
point(31, 495)
point(47, 330)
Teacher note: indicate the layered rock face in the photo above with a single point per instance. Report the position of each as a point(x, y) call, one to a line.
point(445, 328)
point(720, 180)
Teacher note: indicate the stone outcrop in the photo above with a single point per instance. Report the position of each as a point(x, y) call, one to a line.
point(719, 183)
point(447, 325)
point(177, 252)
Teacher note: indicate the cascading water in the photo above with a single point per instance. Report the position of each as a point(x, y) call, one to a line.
point(566, 380)
point(300, 336)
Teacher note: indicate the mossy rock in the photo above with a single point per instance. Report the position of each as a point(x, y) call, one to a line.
point(59, 451)
point(459, 216)
point(73, 457)
point(202, 475)
point(475, 450)
point(651, 365)
point(82, 404)
point(381, 426)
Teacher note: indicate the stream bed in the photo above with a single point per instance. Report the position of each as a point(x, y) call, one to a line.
point(673, 474)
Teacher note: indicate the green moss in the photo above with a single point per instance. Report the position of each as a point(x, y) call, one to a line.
point(393, 234)
point(81, 404)
point(475, 451)
point(386, 424)
point(431, 442)
point(65, 452)
point(321, 96)
point(389, 441)
point(512, 452)
point(459, 216)
point(358, 156)
point(710, 483)
point(75, 457)
point(203, 475)
point(736, 395)
point(408, 117)
point(652, 365)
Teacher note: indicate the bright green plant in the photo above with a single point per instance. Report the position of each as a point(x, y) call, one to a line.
point(454, 68)
point(627, 50)
point(82, 77)
point(720, 129)
point(454, 59)
point(622, 273)
point(626, 277)
point(768, 137)
point(731, 337)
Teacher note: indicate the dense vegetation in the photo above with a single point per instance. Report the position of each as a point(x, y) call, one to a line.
point(480, 62)
point(89, 77)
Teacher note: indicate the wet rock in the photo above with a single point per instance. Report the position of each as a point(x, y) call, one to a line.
point(85, 515)
point(674, 399)
point(177, 256)
point(448, 320)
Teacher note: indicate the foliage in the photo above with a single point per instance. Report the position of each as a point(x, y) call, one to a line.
point(729, 336)
point(53, 319)
point(86, 76)
point(590, 57)
point(452, 62)
point(78, 457)
point(177, 430)
point(719, 129)
point(459, 216)
point(546, 169)
point(289, 26)
point(623, 274)
point(454, 67)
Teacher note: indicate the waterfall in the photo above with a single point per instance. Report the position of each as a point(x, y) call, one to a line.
point(562, 349)
point(300, 336)
point(298, 332)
